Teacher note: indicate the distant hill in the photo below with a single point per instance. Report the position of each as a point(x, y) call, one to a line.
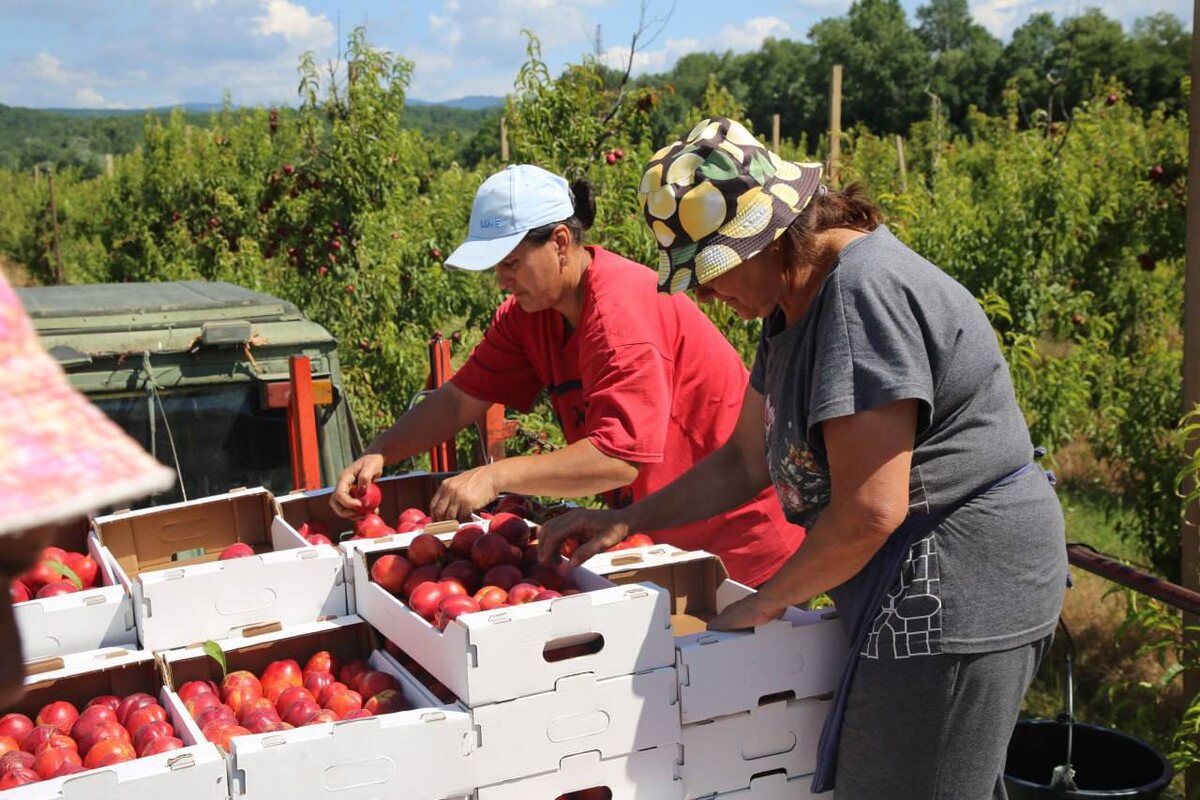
point(80, 137)
point(471, 103)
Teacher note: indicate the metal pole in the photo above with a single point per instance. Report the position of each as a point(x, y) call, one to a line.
point(59, 275)
point(835, 123)
point(1189, 531)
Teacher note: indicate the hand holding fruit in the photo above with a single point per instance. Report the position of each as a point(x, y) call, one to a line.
point(361, 473)
point(461, 494)
point(596, 531)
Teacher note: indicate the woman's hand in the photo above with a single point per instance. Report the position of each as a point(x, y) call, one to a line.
point(749, 612)
point(363, 471)
point(461, 494)
point(596, 531)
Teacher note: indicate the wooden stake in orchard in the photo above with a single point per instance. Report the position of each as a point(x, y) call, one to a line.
point(1190, 530)
point(835, 123)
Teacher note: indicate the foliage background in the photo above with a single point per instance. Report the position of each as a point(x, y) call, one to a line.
point(1059, 204)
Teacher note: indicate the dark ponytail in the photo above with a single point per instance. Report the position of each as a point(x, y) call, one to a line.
point(583, 197)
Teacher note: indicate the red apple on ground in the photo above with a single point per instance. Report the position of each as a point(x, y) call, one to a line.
point(491, 550)
point(426, 549)
point(238, 550)
point(505, 576)
point(369, 496)
point(391, 571)
point(371, 526)
point(461, 544)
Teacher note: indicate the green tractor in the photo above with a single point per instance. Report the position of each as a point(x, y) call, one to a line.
point(198, 373)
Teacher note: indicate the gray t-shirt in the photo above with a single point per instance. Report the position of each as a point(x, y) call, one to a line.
point(887, 325)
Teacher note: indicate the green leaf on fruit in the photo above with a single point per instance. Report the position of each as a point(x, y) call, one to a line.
point(66, 572)
point(214, 651)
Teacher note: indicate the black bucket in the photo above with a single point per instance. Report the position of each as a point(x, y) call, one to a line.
point(1107, 763)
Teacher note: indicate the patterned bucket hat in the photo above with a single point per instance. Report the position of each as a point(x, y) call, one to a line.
point(716, 198)
point(63, 456)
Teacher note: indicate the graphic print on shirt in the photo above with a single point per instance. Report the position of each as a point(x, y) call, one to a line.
point(800, 482)
point(910, 622)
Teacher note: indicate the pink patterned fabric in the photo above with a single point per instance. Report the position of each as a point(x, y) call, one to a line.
point(62, 456)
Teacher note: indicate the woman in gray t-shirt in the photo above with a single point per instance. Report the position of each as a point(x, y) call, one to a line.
point(881, 409)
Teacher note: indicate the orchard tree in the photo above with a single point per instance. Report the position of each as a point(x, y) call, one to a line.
point(963, 56)
point(885, 67)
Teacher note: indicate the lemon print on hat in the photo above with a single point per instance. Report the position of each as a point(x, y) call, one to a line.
point(702, 211)
point(716, 198)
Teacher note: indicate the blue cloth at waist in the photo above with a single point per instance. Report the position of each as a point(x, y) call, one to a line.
point(859, 599)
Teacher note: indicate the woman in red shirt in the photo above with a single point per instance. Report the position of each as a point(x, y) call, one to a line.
point(643, 384)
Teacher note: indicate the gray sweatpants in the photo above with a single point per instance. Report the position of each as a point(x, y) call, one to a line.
point(933, 727)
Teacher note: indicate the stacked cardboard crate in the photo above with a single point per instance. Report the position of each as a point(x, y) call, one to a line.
point(564, 695)
point(752, 703)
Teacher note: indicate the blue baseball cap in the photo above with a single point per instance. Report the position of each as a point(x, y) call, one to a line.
point(507, 206)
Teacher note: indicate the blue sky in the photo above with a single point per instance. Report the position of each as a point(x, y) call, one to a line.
point(125, 54)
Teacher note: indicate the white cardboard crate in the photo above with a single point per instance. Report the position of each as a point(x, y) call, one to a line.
point(81, 621)
point(724, 754)
point(422, 753)
point(179, 603)
point(494, 656)
point(644, 775)
point(615, 716)
point(194, 772)
point(776, 786)
point(724, 672)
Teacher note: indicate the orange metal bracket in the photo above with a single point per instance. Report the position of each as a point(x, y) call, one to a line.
point(443, 457)
point(302, 426)
point(494, 429)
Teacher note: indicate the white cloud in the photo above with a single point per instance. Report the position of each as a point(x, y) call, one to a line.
point(295, 23)
point(51, 69)
point(87, 97)
point(649, 60)
point(751, 34)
